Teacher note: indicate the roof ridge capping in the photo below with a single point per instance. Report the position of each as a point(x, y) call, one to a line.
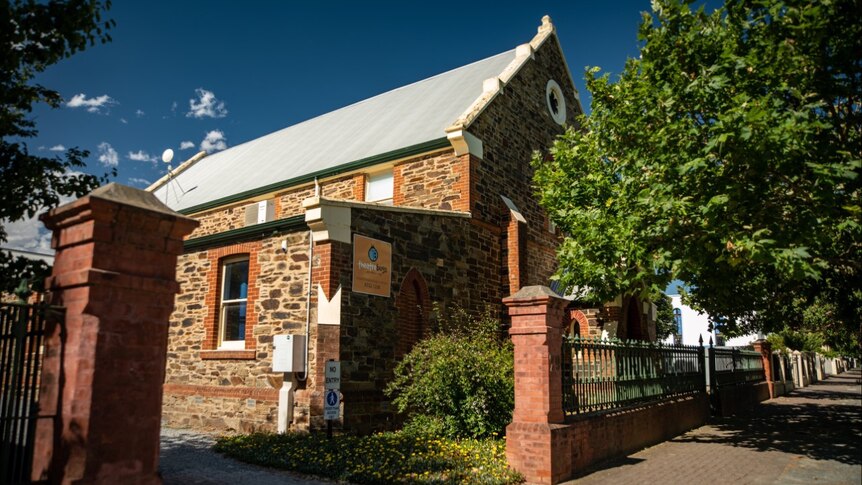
point(494, 86)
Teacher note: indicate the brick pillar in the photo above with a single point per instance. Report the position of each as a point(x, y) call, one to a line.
point(536, 441)
point(101, 395)
point(765, 349)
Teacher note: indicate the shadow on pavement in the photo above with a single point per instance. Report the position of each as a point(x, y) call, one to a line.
point(821, 430)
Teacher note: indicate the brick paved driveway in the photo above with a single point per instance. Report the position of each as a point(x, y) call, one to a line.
point(812, 436)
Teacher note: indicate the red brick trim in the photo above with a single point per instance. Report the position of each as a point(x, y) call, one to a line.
point(259, 393)
point(516, 251)
point(581, 324)
point(228, 354)
point(397, 184)
point(464, 184)
point(212, 299)
point(359, 186)
point(413, 303)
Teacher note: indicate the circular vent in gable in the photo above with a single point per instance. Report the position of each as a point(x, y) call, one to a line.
point(556, 102)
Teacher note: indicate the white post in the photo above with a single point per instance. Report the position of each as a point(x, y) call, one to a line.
point(285, 402)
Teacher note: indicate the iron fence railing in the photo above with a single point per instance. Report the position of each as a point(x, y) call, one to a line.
point(732, 366)
point(607, 374)
point(22, 328)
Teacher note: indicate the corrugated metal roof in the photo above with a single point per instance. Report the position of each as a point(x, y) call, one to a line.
point(407, 116)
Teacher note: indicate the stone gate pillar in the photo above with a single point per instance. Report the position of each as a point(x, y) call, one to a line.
point(101, 394)
point(765, 349)
point(534, 440)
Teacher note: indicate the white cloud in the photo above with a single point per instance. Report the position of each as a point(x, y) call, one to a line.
point(139, 113)
point(57, 148)
point(93, 105)
point(206, 106)
point(123, 121)
point(107, 155)
point(139, 182)
point(213, 141)
point(185, 145)
point(141, 156)
point(29, 233)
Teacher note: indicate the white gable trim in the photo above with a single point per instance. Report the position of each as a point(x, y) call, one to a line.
point(494, 86)
point(465, 142)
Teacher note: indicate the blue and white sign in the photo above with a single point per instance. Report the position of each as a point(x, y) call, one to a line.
point(331, 404)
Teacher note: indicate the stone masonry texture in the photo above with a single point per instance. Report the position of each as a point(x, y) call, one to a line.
point(464, 261)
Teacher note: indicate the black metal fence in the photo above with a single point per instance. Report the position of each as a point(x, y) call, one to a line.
point(22, 328)
point(607, 374)
point(732, 366)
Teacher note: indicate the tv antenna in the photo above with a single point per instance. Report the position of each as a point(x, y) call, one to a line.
point(167, 156)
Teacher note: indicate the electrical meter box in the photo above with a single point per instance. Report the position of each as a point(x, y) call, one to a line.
point(289, 353)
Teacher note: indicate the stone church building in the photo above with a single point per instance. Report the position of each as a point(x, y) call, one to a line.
point(345, 232)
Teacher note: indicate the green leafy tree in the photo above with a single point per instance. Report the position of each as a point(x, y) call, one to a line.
point(34, 36)
point(459, 382)
point(727, 155)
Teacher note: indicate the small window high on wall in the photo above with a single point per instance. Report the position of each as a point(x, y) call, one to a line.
point(234, 300)
point(379, 187)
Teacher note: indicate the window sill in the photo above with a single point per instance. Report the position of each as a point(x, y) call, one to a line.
point(228, 354)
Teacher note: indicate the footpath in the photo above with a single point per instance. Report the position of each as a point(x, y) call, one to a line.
point(812, 436)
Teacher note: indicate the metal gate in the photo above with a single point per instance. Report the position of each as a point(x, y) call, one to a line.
point(22, 328)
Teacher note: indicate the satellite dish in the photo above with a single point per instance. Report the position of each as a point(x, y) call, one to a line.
point(167, 155)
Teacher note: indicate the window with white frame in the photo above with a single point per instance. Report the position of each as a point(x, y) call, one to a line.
point(379, 187)
point(234, 301)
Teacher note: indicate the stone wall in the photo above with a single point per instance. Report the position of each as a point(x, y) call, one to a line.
point(458, 261)
point(436, 181)
point(220, 220)
point(463, 261)
point(432, 181)
point(233, 390)
point(513, 126)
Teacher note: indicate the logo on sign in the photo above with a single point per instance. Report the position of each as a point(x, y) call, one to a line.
point(372, 266)
point(331, 408)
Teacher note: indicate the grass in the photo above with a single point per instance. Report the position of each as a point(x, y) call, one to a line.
point(382, 458)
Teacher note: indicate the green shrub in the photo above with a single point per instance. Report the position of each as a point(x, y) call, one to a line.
point(458, 383)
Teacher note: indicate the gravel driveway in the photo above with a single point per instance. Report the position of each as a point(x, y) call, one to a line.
point(187, 459)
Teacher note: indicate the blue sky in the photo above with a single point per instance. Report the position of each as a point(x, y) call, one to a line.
point(214, 74)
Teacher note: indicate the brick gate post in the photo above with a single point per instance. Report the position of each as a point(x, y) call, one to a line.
point(536, 441)
point(101, 394)
point(765, 349)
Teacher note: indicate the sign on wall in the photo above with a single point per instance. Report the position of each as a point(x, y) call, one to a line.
point(372, 266)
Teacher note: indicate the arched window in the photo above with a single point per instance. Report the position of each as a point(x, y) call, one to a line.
point(413, 303)
point(677, 318)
